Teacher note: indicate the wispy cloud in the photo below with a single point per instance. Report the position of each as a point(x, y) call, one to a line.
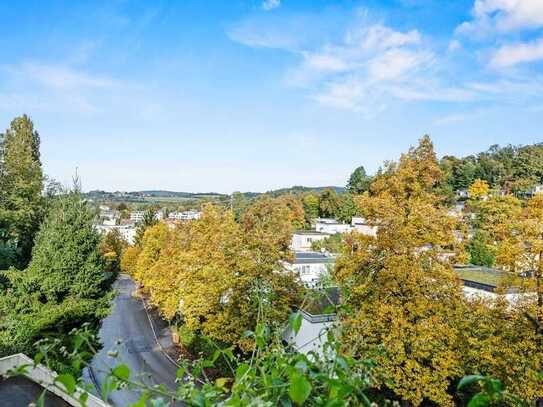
point(513, 54)
point(63, 77)
point(370, 65)
point(456, 118)
point(268, 5)
point(365, 69)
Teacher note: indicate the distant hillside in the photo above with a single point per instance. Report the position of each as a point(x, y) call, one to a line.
point(171, 197)
point(150, 196)
point(298, 189)
point(173, 194)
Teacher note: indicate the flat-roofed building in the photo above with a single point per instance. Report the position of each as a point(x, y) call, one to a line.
point(484, 282)
point(318, 317)
point(302, 240)
point(331, 226)
point(312, 266)
point(362, 226)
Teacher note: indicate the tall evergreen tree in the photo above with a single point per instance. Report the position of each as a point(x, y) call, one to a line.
point(66, 260)
point(21, 184)
point(359, 181)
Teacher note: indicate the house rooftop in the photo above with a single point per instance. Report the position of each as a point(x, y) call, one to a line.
point(310, 232)
point(313, 258)
point(321, 304)
point(479, 274)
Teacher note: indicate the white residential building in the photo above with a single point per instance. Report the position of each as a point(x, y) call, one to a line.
point(361, 226)
point(536, 189)
point(482, 282)
point(331, 226)
point(187, 215)
point(128, 232)
point(303, 239)
point(137, 216)
point(109, 222)
point(318, 318)
point(312, 266)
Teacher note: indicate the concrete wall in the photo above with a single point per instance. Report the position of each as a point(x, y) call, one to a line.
point(311, 336)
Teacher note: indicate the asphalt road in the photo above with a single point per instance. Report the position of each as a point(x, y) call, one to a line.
point(128, 330)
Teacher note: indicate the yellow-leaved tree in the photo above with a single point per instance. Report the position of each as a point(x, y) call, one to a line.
point(503, 338)
point(402, 295)
point(478, 189)
point(218, 275)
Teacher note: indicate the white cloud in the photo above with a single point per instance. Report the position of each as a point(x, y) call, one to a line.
point(380, 37)
point(395, 63)
point(454, 45)
point(325, 62)
point(503, 16)
point(270, 4)
point(513, 54)
point(369, 66)
point(372, 66)
point(63, 77)
point(455, 118)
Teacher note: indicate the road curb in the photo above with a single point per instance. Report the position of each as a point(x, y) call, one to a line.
point(156, 336)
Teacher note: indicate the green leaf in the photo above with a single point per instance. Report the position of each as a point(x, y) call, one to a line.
point(479, 400)
point(299, 389)
point(494, 386)
point(41, 400)
point(241, 370)
point(467, 380)
point(67, 381)
point(121, 371)
point(180, 372)
point(341, 362)
point(142, 402)
point(285, 402)
point(83, 398)
point(295, 321)
point(38, 358)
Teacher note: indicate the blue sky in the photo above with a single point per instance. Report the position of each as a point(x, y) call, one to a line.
point(259, 94)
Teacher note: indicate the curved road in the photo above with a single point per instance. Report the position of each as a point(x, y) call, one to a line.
point(128, 330)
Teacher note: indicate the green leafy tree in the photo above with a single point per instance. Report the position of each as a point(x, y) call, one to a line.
point(149, 219)
point(328, 203)
point(311, 206)
point(359, 181)
point(481, 253)
point(239, 204)
point(21, 184)
point(112, 247)
point(347, 208)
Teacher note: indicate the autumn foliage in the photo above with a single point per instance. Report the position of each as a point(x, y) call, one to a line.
point(218, 274)
point(405, 307)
